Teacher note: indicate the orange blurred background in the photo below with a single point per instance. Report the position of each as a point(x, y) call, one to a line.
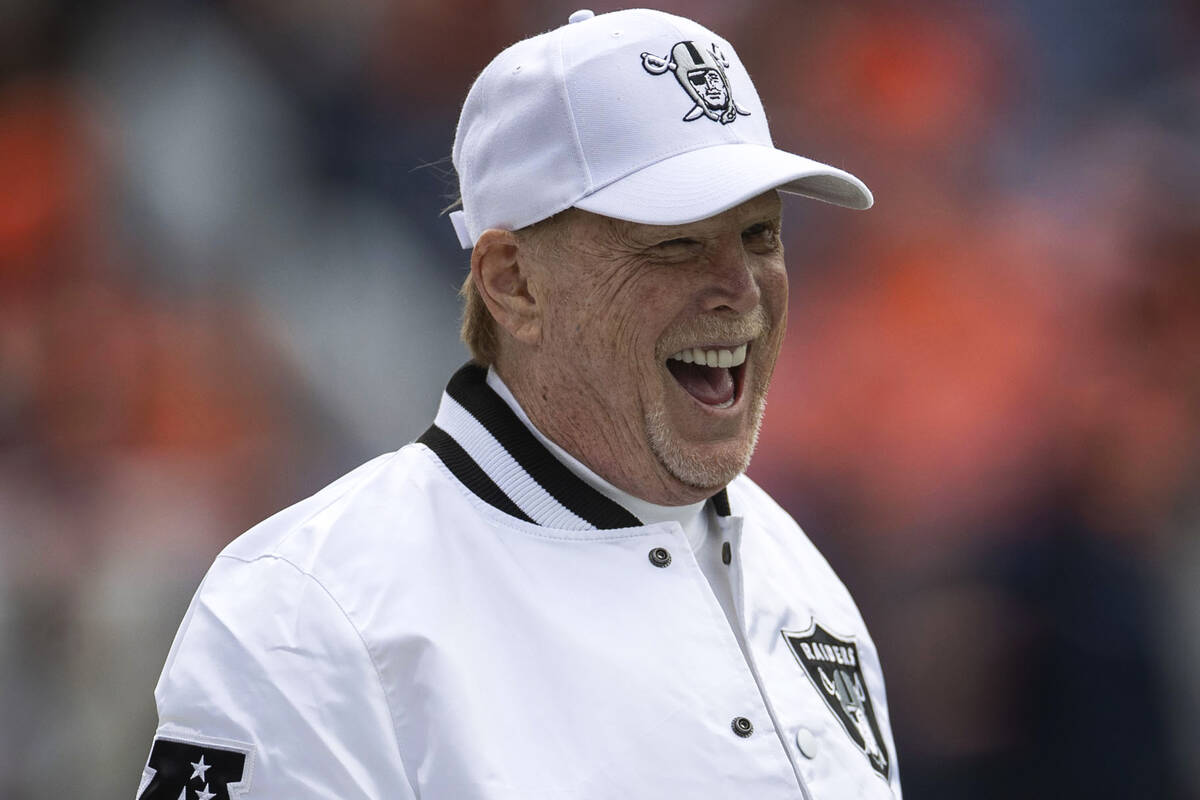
point(224, 281)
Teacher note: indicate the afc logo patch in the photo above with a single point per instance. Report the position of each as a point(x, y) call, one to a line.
point(832, 664)
point(193, 770)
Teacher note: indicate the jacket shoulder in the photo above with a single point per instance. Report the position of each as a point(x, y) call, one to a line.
point(348, 514)
point(785, 544)
point(746, 495)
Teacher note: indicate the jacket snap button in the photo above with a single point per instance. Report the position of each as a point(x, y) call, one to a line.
point(742, 726)
point(659, 557)
point(806, 742)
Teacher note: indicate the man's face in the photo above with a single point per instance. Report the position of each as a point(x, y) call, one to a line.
point(627, 307)
point(711, 87)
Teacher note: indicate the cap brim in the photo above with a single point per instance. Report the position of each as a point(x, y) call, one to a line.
point(702, 183)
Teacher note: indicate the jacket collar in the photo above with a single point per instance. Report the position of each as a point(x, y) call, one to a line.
point(491, 452)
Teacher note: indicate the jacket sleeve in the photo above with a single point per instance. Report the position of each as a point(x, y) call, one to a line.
point(269, 691)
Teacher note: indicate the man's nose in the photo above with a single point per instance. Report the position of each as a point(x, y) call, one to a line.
point(733, 285)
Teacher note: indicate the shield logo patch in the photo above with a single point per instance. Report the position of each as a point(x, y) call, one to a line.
point(832, 664)
point(195, 770)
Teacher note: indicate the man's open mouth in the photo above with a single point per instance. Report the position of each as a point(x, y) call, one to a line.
point(712, 375)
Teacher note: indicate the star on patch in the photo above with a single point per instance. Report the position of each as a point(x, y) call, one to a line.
point(199, 768)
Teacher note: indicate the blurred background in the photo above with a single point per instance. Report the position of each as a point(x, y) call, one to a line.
point(224, 281)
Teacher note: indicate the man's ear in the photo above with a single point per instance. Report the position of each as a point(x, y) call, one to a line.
point(502, 276)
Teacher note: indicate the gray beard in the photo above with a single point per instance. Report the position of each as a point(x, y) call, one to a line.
point(702, 473)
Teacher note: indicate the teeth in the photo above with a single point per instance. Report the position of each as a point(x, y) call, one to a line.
point(712, 358)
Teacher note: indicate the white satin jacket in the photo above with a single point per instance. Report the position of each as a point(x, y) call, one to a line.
point(464, 619)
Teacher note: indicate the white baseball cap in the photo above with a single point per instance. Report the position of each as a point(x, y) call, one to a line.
point(638, 115)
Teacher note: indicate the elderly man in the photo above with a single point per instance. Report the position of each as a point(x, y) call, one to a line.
point(565, 588)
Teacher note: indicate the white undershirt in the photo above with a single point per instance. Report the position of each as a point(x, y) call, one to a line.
point(698, 523)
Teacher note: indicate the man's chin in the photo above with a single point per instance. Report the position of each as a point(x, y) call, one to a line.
point(706, 468)
point(707, 476)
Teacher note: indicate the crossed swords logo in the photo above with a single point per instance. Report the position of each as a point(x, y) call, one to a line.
point(701, 73)
point(851, 696)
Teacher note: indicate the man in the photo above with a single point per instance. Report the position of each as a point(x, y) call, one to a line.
point(565, 588)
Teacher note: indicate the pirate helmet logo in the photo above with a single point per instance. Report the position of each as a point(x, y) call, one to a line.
point(701, 73)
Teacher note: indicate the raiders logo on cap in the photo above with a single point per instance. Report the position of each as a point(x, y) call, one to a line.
point(701, 73)
point(832, 664)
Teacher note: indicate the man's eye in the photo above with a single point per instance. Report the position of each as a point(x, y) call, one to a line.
point(671, 244)
point(761, 234)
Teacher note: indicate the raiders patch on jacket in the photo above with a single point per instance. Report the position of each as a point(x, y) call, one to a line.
point(832, 664)
point(180, 770)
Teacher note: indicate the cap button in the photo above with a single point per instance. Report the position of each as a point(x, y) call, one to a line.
point(581, 15)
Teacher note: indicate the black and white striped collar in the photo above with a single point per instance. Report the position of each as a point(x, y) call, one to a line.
point(487, 447)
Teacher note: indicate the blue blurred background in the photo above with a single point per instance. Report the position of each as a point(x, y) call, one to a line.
point(224, 281)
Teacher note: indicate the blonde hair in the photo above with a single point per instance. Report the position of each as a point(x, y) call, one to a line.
point(478, 329)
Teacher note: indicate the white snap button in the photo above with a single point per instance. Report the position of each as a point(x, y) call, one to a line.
point(581, 15)
point(806, 742)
